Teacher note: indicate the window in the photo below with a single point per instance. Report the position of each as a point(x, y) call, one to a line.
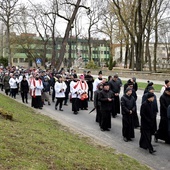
point(21, 60)
point(15, 60)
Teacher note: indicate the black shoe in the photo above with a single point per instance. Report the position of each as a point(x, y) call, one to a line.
point(61, 109)
point(102, 129)
point(49, 103)
point(155, 138)
point(75, 113)
point(107, 129)
point(152, 151)
point(55, 108)
point(66, 104)
point(40, 108)
point(129, 139)
point(125, 139)
point(86, 109)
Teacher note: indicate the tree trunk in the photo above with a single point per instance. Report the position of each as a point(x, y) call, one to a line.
point(65, 39)
point(8, 47)
point(121, 51)
point(156, 37)
point(126, 55)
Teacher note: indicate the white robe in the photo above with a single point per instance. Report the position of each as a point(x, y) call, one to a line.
point(36, 87)
point(58, 87)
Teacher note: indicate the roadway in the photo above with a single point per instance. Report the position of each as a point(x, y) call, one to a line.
point(84, 124)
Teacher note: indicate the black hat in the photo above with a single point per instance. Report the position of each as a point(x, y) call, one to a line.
point(130, 83)
point(150, 88)
point(127, 89)
point(74, 75)
point(89, 72)
point(166, 81)
point(100, 84)
point(150, 84)
point(100, 72)
point(167, 89)
point(106, 84)
point(149, 95)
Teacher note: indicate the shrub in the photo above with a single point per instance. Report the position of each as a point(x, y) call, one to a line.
point(6, 114)
point(91, 65)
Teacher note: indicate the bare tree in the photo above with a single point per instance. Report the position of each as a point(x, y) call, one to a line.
point(108, 22)
point(140, 20)
point(70, 21)
point(8, 11)
point(94, 16)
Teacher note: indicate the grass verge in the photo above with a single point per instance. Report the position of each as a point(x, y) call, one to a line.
point(36, 142)
point(142, 86)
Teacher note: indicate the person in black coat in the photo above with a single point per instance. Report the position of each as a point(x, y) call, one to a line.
point(24, 89)
point(147, 87)
point(162, 132)
point(89, 79)
point(135, 115)
point(97, 103)
point(147, 121)
point(135, 84)
point(106, 98)
point(128, 106)
point(155, 106)
point(115, 86)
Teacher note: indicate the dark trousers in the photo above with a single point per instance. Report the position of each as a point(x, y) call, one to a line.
point(36, 102)
point(7, 91)
point(59, 102)
point(75, 104)
point(66, 97)
point(24, 95)
point(83, 104)
point(145, 139)
point(105, 119)
point(53, 95)
point(117, 105)
point(90, 94)
point(128, 126)
point(13, 93)
point(98, 115)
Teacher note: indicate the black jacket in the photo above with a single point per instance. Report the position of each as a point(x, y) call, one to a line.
point(147, 115)
point(128, 103)
point(164, 103)
point(103, 98)
point(24, 86)
point(115, 86)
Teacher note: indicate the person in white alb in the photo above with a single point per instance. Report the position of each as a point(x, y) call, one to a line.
point(167, 84)
point(36, 87)
point(97, 81)
point(83, 93)
point(75, 94)
point(60, 88)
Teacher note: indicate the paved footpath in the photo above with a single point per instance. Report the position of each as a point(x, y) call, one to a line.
point(84, 123)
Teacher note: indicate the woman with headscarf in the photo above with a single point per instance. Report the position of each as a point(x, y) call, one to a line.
point(147, 123)
point(128, 105)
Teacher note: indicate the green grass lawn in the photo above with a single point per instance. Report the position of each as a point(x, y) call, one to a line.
point(142, 86)
point(36, 142)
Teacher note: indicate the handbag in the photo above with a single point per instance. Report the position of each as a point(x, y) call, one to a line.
point(84, 96)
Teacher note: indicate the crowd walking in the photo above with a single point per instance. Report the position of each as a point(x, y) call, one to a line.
point(64, 88)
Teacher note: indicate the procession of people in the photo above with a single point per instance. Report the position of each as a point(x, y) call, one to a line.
point(47, 86)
